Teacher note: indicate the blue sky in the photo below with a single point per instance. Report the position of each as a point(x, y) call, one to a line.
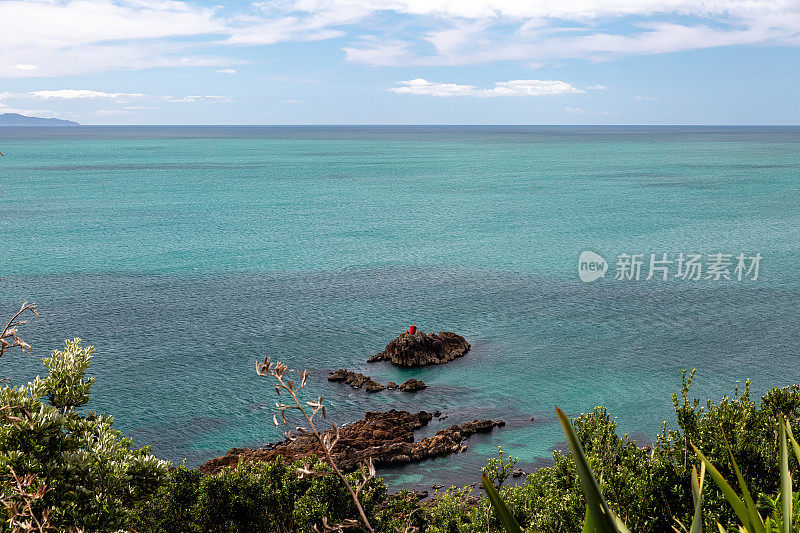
point(403, 61)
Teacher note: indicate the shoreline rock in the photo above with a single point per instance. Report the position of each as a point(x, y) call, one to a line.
point(387, 437)
point(357, 380)
point(411, 385)
point(421, 349)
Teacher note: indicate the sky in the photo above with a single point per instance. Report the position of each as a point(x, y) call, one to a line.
point(402, 61)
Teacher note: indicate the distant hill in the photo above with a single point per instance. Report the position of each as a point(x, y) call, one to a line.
point(14, 119)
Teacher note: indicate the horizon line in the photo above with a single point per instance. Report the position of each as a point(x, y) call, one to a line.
point(698, 125)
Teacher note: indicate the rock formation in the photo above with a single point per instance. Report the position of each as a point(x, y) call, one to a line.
point(421, 349)
point(385, 437)
point(356, 380)
point(411, 385)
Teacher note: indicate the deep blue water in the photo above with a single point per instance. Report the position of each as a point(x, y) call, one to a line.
point(184, 254)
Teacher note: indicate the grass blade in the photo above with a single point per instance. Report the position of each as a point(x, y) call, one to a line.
point(508, 520)
point(786, 478)
point(604, 521)
point(588, 525)
point(733, 499)
point(795, 446)
point(756, 522)
point(697, 491)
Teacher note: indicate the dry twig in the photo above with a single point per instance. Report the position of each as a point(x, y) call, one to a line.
point(20, 505)
point(280, 372)
point(9, 337)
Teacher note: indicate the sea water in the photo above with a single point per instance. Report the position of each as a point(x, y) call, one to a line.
point(187, 254)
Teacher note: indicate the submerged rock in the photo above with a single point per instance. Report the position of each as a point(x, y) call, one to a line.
point(421, 349)
point(385, 437)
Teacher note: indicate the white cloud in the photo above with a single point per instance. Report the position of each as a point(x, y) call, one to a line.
point(114, 104)
point(420, 86)
point(88, 94)
point(374, 52)
point(43, 113)
point(578, 10)
point(647, 98)
point(597, 88)
point(227, 71)
point(66, 37)
point(72, 94)
point(582, 111)
point(548, 31)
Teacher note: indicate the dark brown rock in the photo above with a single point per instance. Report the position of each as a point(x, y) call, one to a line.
point(385, 437)
point(356, 380)
point(421, 349)
point(373, 386)
point(391, 385)
point(411, 385)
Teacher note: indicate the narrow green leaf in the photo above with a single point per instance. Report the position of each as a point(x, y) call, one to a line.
point(756, 524)
point(508, 520)
point(602, 517)
point(621, 527)
point(786, 478)
point(588, 525)
point(733, 499)
point(795, 446)
point(697, 491)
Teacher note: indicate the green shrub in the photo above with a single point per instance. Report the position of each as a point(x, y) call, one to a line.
point(92, 475)
point(255, 497)
point(650, 488)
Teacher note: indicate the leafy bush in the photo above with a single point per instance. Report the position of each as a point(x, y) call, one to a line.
point(255, 497)
point(650, 488)
point(87, 472)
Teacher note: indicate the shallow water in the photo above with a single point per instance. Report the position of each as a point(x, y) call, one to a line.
point(186, 254)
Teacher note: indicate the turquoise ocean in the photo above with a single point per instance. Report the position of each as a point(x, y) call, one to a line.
point(185, 254)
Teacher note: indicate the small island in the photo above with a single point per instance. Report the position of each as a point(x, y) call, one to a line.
point(420, 349)
point(15, 119)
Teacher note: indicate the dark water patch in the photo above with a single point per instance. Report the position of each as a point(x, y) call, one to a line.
point(183, 349)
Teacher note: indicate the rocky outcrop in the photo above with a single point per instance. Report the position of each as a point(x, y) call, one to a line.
point(411, 385)
point(385, 437)
point(421, 349)
point(356, 380)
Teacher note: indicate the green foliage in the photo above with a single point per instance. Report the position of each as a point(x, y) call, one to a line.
point(96, 481)
point(750, 518)
point(498, 469)
point(452, 513)
point(92, 475)
point(255, 497)
point(652, 487)
point(510, 523)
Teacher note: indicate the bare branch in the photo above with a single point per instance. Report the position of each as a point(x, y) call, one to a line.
point(19, 505)
point(280, 372)
point(9, 337)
